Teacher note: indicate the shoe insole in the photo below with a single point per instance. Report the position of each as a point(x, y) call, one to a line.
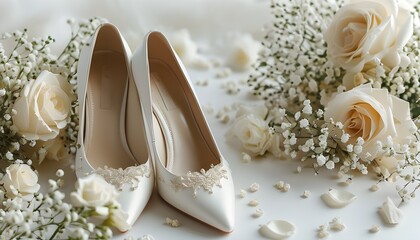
point(105, 142)
point(173, 112)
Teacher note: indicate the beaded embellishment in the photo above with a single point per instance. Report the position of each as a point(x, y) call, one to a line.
point(203, 179)
point(118, 177)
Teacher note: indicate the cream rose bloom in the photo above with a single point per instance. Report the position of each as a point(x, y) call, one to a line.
point(93, 191)
point(22, 178)
point(373, 115)
point(363, 32)
point(53, 149)
point(43, 107)
point(252, 130)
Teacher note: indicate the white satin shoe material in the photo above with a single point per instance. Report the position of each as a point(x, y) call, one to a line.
point(192, 175)
point(111, 121)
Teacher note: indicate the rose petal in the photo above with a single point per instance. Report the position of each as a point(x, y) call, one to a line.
point(405, 23)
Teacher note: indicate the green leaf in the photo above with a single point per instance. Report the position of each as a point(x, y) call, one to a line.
point(415, 111)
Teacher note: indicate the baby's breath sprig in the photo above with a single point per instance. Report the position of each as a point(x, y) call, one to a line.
point(307, 136)
point(293, 65)
point(47, 216)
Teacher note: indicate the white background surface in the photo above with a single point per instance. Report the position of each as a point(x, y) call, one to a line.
point(210, 22)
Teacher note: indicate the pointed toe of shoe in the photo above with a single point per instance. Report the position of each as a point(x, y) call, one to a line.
point(215, 208)
point(133, 201)
point(222, 218)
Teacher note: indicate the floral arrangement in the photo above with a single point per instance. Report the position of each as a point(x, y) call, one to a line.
point(38, 121)
point(341, 88)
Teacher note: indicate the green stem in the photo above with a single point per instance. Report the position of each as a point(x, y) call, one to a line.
point(59, 227)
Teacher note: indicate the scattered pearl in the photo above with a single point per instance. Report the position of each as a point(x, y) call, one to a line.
point(224, 73)
point(323, 231)
point(242, 193)
point(323, 234)
point(209, 109)
point(299, 169)
point(231, 88)
point(306, 194)
point(349, 181)
point(258, 213)
point(172, 222)
point(337, 225)
point(282, 186)
point(279, 185)
point(254, 187)
point(374, 229)
point(225, 119)
point(246, 158)
point(374, 188)
point(286, 187)
point(253, 203)
point(147, 237)
point(220, 114)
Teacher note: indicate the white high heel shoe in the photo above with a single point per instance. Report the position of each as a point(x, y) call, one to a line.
point(191, 173)
point(111, 137)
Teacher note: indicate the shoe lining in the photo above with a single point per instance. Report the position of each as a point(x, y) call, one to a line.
point(190, 150)
point(105, 143)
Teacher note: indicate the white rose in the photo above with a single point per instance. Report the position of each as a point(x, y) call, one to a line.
point(276, 145)
point(362, 32)
point(187, 50)
point(371, 114)
point(388, 165)
point(252, 130)
point(22, 178)
point(118, 219)
point(56, 150)
point(43, 107)
point(53, 149)
point(93, 191)
point(243, 53)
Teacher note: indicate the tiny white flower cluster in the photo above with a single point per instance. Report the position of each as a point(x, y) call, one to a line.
point(346, 105)
point(335, 225)
point(27, 213)
point(172, 222)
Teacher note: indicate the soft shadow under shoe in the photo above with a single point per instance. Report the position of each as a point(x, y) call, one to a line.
point(112, 139)
point(192, 175)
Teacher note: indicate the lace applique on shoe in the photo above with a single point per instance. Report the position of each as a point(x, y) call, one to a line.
point(202, 179)
point(118, 177)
